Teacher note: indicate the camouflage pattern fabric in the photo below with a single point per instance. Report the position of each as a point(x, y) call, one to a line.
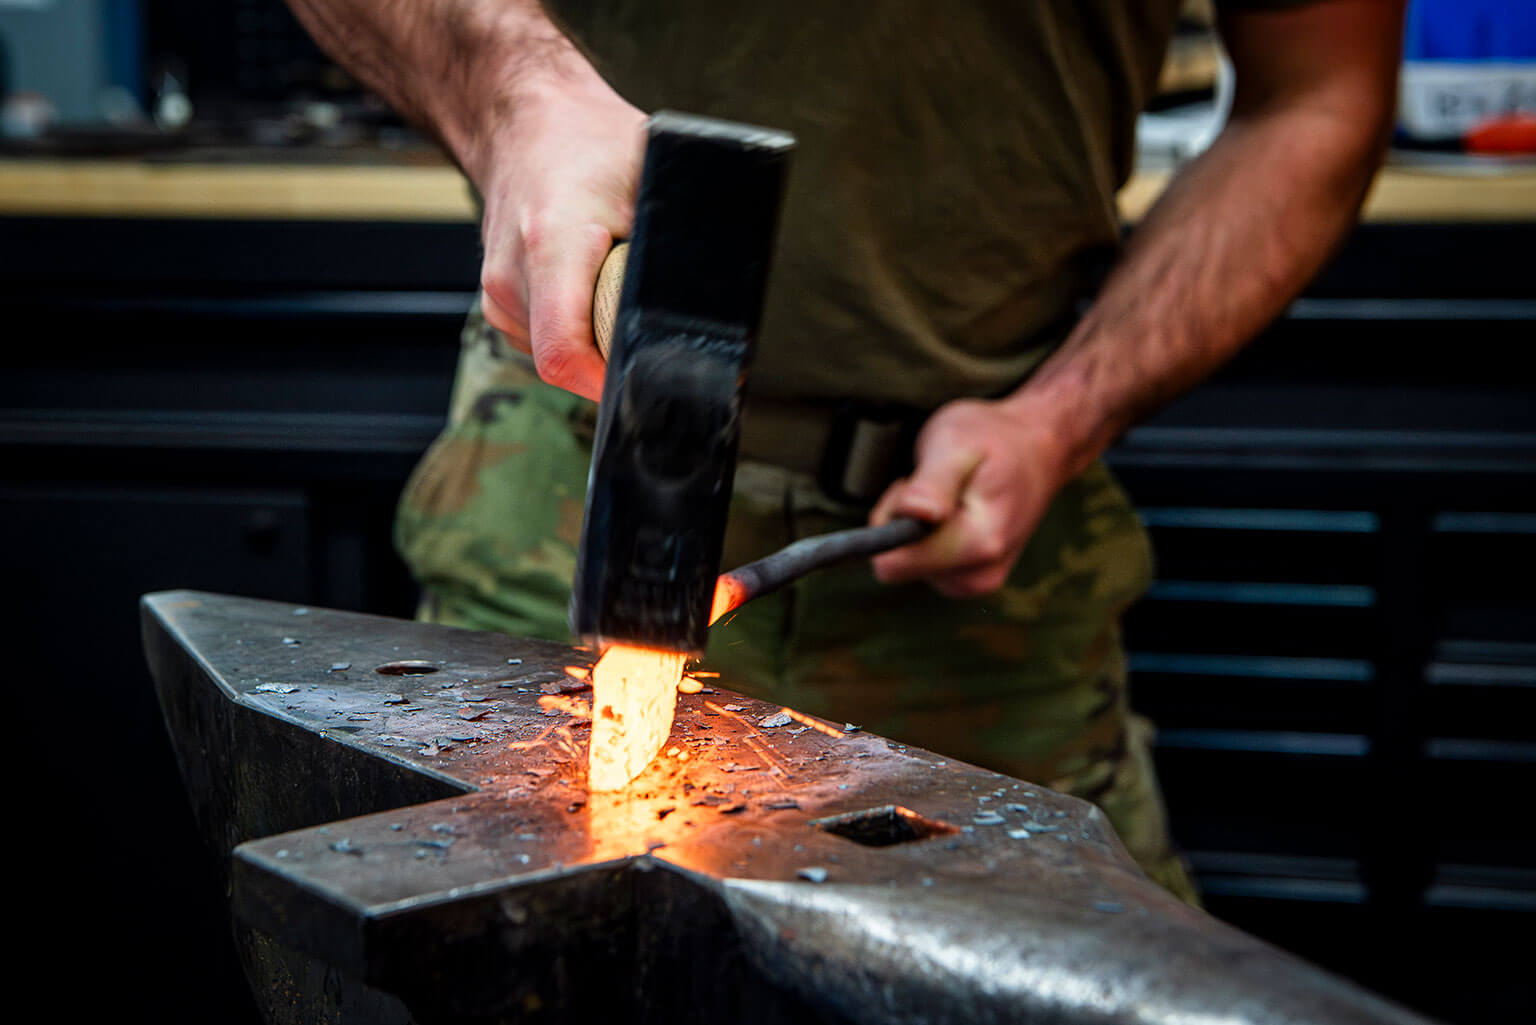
point(1030, 681)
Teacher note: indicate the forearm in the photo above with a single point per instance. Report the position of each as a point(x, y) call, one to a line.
point(1230, 243)
point(553, 151)
point(1235, 238)
point(459, 69)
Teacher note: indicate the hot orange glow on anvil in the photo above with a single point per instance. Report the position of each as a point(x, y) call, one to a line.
point(634, 694)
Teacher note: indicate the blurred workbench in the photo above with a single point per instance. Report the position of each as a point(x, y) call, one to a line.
point(432, 190)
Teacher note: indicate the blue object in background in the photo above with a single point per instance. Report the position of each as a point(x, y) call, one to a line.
point(1471, 30)
point(72, 51)
point(1466, 64)
point(122, 25)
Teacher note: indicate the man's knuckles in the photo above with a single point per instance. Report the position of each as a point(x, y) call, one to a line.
point(558, 365)
point(985, 548)
point(539, 237)
point(973, 583)
point(924, 503)
point(505, 316)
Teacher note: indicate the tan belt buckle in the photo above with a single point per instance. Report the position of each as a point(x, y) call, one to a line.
point(867, 448)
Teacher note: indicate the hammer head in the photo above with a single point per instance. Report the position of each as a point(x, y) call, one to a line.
point(664, 455)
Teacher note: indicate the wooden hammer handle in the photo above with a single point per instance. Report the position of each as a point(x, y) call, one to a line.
point(605, 296)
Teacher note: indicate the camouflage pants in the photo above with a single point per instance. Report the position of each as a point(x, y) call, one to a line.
point(1030, 681)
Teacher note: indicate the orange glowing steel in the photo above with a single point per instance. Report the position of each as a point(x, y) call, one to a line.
point(633, 696)
point(729, 594)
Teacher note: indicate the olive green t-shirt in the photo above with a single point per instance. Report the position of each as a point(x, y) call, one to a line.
point(953, 195)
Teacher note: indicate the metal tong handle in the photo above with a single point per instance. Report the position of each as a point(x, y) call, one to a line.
point(794, 561)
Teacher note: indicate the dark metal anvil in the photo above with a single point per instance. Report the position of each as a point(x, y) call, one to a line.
point(412, 837)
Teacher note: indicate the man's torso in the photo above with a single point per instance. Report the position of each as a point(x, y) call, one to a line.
point(952, 200)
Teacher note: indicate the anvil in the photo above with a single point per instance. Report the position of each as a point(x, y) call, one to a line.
point(409, 836)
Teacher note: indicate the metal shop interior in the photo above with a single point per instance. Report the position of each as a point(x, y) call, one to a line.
point(793, 511)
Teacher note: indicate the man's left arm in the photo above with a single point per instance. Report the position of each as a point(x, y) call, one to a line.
point(1235, 237)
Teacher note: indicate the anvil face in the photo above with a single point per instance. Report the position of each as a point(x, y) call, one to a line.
point(436, 840)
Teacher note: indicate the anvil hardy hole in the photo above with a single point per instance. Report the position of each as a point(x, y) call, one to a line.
point(884, 827)
point(409, 667)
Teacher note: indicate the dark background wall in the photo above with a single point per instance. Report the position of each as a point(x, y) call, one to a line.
point(228, 406)
point(1340, 648)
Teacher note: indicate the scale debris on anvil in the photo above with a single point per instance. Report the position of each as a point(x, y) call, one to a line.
point(397, 863)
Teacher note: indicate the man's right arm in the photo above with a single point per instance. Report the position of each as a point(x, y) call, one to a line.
point(553, 150)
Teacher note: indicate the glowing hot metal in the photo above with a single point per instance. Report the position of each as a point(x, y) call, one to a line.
point(634, 694)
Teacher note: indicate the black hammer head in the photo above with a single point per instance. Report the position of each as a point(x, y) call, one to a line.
point(665, 451)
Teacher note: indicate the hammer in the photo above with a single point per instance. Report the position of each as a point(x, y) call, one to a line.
point(676, 312)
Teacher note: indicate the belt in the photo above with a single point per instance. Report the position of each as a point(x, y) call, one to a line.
point(853, 450)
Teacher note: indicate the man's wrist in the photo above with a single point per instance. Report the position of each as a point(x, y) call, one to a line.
point(514, 70)
point(1046, 432)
